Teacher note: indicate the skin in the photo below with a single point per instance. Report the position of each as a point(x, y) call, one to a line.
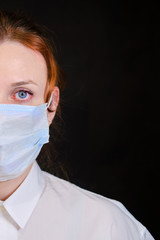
point(19, 63)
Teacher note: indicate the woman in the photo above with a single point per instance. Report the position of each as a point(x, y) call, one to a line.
point(33, 203)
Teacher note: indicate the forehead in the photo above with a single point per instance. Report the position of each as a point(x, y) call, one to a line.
point(17, 60)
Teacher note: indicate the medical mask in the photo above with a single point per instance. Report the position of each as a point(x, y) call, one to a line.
point(24, 130)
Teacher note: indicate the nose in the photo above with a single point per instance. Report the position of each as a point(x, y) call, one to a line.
point(3, 99)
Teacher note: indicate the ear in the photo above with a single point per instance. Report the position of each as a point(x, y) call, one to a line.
point(53, 105)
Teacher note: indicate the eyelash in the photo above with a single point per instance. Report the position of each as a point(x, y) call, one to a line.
point(22, 90)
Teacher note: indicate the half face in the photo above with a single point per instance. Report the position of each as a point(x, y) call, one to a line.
point(23, 74)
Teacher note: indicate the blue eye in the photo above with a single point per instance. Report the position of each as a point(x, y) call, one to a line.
point(22, 94)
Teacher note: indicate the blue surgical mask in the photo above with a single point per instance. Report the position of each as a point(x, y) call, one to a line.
point(24, 130)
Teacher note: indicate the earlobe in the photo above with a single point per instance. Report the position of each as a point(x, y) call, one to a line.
point(53, 105)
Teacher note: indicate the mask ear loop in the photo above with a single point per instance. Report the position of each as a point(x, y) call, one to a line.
point(48, 104)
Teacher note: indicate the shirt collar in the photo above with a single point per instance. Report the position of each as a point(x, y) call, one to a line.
point(22, 202)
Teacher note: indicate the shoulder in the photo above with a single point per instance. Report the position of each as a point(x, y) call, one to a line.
point(91, 209)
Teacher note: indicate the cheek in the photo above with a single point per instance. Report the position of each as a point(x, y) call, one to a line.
point(40, 96)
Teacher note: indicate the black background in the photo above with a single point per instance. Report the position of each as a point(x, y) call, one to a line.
point(109, 51)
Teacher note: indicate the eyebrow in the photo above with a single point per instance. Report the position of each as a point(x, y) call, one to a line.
point(23, 83)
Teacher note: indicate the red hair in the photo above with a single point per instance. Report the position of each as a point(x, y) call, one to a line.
point(16, 27)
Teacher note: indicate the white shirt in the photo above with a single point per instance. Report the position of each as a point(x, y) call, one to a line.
point(45, 207)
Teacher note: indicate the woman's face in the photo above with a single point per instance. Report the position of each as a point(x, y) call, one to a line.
point(23, 76)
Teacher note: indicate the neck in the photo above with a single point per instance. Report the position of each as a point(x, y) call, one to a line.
point(7, 188)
